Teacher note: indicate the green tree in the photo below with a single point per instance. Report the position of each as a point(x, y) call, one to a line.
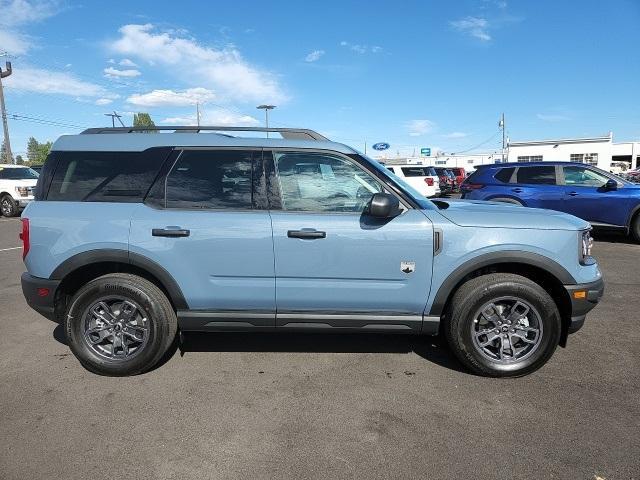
point(3, 154)
point(142, 120)
point(19, 160)
point(37, 152)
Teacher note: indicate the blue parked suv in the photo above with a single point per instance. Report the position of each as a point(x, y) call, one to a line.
point(602, 199)
point(133, 237)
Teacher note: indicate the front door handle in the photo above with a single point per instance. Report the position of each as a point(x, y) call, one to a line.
point(170, 232)
point(573, 194)
point(306, 234)
point(517, 190)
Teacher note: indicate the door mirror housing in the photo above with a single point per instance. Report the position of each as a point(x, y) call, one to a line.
point(611, 184)
point(384, 205)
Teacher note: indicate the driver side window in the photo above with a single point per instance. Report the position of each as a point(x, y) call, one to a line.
point(318, 182)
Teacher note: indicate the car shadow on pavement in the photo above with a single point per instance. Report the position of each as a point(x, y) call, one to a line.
point(432, 349)
point(613, 237)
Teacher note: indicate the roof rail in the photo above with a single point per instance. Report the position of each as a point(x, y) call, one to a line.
point(287, 133)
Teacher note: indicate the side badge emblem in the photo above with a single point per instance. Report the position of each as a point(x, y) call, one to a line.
point(407, 267)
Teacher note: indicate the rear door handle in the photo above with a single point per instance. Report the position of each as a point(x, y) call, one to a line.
point(306, 234)
point(573, 194)
point(517, 190)
point(170, 232)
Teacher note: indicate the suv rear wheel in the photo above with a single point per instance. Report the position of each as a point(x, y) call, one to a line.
point(8, 206)
point(502, 325)
point(120, 324)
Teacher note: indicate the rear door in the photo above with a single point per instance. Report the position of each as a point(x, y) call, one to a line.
point(538, 186)
point(586, 197)
point(337, 267)
point(204, 223)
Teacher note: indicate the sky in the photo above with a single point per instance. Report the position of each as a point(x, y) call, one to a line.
point(412, 74)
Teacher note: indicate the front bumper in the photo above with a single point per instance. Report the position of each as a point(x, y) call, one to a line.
point(40, 294)
point(584, 297)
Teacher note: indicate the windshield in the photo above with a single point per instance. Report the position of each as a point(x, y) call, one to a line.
point(18, 174)
point(404, 186)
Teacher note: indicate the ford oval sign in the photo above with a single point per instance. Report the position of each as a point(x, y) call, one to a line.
point(380, 146)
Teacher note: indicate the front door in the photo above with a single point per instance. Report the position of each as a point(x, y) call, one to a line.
point(586, 196)
point(336, 266)
point(203, 225)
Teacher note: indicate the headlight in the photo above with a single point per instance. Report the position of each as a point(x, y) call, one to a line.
point(586, 246)
point(23, 191)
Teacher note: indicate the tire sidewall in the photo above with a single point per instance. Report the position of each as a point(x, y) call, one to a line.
point(12, 202)
point(74, 327)
point(549, 316)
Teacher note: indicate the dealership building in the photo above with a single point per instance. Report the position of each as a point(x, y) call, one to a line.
point(601, 152)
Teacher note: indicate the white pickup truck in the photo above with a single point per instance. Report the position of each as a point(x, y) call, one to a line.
point(424, 179)
point(17, 184)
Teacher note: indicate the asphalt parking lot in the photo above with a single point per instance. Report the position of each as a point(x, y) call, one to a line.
point(310, 406)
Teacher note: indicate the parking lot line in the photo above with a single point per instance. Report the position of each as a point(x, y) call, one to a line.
point(7, 249)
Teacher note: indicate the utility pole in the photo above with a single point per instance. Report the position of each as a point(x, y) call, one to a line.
point(502, 125)
point(5, 125)
point(198, 113)
point(266, 109)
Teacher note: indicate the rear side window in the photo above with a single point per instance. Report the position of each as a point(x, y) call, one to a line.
point(537, 175)
point(418, 171)
point(504, 174)
point(210, 179)
point(105, 176)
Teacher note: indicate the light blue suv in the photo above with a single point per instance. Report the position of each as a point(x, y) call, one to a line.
point(136, 234)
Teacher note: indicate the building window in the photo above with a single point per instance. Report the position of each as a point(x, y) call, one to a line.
point(470, 161)
point(588, 158)
point(530, 158)
point(441, 162)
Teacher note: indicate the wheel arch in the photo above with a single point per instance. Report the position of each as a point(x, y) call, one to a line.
point(632, 214)
point(542, 270)
point(83, 267)
point(492, 198)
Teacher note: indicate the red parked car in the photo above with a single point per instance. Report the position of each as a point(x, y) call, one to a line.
point(460, 174)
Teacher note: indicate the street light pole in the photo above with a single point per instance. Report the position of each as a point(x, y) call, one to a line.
point(266, 109)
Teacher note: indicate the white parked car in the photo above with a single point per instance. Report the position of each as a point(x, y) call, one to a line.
point(424, 179)
point(17, 184)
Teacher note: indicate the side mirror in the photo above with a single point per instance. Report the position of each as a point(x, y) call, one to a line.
point(384, 205)
point(611, 184)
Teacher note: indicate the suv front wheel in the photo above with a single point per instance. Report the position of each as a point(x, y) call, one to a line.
point(120, 324)
point(502, 325)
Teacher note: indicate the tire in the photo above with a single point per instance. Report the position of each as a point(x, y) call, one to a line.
point(635, 227)
point(8, 206)
point(143, 338)
point(512, 201)
point(499, 289)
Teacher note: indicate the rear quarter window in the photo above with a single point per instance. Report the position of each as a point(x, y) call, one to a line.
point(504, 174)
point(105, 176)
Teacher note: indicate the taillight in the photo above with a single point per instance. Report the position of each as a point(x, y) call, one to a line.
point(471, 186)
point(429, 181)
point(24, 236)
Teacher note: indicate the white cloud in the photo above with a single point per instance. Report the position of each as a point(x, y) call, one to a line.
point(552, 117)
point(474, 26)
point(46, 81)
point(170, 98)
point(361, 49)
point(103, 101)
point(314, 56)
point(18, 13)
point(216, 117)
point(111, 72)
point(419, 127)
point(223, 69)
point(125, 62)
point(456, 135)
